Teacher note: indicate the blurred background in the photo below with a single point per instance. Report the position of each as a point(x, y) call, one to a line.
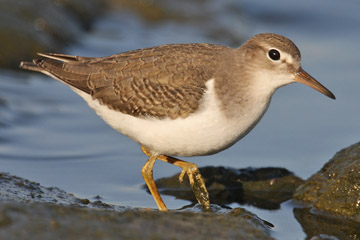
point(49, 135)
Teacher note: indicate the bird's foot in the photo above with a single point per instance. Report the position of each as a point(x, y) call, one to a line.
point(196, 183)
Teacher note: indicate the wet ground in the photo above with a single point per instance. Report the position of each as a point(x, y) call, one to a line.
point(49, 135)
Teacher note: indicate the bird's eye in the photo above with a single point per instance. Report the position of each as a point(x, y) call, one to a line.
point(274, 54)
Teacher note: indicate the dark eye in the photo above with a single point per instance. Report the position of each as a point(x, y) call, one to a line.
point(274, 54)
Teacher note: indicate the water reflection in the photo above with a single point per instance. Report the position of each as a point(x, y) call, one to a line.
point(323, 226)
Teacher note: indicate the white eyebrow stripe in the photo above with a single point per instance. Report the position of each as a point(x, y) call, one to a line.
point(287, 57)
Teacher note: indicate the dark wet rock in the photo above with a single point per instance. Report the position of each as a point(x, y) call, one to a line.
point(238, 212)
point(320, 226)
point(47, 221)
point(13, 188)
point(251, 216)
point(264, 187)
point(27, 27)
point(17, 189)
point(31, 211)
point(336, 187)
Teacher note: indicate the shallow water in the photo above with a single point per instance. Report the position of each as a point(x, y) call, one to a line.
point(49, 135)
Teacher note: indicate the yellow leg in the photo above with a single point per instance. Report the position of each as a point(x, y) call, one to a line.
point(196, 182)
point(147, 173)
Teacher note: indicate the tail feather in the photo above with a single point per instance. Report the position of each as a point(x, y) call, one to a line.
point(30, 66)
point(69, 69)
point(63, 57)
point(59, 57)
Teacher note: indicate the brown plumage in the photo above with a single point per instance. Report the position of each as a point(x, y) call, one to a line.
point(163, 81)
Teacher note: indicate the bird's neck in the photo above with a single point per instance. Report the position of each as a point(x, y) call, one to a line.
point(241, 93)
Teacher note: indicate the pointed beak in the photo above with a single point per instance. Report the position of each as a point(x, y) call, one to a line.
point(303, 77)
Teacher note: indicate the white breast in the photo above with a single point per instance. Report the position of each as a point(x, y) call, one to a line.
point(204, 132)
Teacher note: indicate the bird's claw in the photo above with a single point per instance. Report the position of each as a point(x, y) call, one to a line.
point(196, 183)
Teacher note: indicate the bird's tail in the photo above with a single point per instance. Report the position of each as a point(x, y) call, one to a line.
point(68, 69)
point(32, 66)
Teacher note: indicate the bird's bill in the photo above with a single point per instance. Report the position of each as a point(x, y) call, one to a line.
point(303, 77)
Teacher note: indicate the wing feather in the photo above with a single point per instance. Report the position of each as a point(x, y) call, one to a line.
point(165, 81)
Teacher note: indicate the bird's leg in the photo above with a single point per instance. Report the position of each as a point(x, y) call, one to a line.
point(147, 173)
point(196, 182)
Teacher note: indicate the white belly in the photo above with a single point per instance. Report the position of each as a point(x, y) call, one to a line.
point(205, 132)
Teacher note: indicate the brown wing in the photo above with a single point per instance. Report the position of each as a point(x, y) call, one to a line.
point(164, 81)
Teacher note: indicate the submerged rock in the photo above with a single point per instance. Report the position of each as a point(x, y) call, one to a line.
point(265, 188)
point(336, 187)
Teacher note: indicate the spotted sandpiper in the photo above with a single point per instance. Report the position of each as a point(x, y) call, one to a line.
point(182, 99)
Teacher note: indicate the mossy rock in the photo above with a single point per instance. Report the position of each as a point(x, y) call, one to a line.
point(336, 187)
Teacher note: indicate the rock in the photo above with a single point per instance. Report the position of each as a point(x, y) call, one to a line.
point(336, 187)
point(265, 188)
point(47, 221)
point(20, 190)
point(29, 209)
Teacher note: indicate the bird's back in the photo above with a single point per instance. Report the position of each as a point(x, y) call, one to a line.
point(163, 81)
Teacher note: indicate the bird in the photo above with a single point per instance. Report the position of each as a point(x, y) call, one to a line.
point(181, 100)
